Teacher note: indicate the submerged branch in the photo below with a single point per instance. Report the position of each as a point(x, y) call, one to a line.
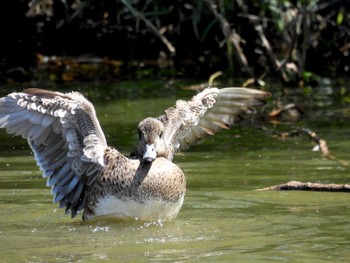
point(321, 144)
point(300, 186)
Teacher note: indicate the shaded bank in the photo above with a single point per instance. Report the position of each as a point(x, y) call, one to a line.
point(285, 39)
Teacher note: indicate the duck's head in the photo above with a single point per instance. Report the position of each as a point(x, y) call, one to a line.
point(150, 144)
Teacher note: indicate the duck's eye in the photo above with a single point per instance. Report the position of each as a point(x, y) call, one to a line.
point(161, 135)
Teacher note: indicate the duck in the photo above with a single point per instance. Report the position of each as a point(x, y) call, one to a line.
point(89, 177)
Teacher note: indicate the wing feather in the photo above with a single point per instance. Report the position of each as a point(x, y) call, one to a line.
point(62, 174)
point(207, 113)
point(56, 125)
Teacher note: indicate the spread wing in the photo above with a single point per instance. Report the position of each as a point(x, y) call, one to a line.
point(65, 137)
point(210, 111)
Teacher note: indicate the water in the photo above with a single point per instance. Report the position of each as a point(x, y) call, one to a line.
point(223, 218)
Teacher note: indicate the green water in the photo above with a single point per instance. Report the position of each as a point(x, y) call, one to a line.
point(222, 220)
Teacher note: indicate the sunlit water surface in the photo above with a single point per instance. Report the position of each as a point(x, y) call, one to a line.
point(223, 218)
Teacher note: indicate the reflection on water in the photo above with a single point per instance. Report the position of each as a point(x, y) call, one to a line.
point(223, 218)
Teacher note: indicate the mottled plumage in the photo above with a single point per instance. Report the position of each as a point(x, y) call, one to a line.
point(84, 173)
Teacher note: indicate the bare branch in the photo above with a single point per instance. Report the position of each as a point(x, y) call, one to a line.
point(151, 26)
point(231, 36)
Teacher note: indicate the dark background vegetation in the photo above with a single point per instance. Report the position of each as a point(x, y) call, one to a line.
point(294, 41)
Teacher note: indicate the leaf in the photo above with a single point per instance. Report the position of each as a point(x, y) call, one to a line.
point(340, 17)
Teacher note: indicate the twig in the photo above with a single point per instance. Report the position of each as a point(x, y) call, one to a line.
point(150, 25)
point(277, 65)
point(232, 36)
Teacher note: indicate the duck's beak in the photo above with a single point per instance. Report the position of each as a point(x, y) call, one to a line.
point(150, 153)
